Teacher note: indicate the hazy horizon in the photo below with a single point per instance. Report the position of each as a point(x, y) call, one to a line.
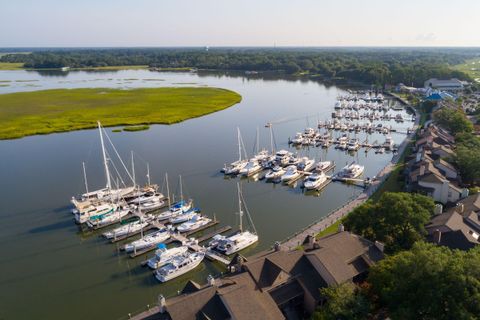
point(247, 23)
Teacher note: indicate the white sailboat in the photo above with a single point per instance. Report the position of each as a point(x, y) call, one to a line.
point(193, 224)
point(148, 241)
point(179, 265)
point(236, 166)
point(177, 208)
point(184, 217)
point(240, 240)
point(129, 228)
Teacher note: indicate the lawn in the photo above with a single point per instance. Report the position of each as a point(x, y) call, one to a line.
point(472, 67)
point(59, 110)
point(10, 66)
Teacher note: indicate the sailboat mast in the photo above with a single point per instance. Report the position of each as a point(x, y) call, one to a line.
point(85, 176)
point(168, 189)
point(271, 140)
point(258, 141)
point(148, 174)
point(181, 188)
point(133, 171)
point(105, 161)
point(239, 145)
point(240, 212)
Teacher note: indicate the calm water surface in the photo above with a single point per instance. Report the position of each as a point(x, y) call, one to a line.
point(50, 270)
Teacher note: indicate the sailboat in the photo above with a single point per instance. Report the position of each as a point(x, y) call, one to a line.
point(236, 166)
point(177, 208)
point(106, 206)
point(240, 240)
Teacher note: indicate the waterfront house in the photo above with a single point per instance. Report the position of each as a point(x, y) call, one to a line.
point(458, 227)
point(276, 284)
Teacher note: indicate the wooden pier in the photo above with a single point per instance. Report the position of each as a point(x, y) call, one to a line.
point(214, 233)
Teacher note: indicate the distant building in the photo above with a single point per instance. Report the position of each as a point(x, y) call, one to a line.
point(446, 85)
point(277, 284)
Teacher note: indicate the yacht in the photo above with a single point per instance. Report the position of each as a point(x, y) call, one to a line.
point(148, 241)
point(290, 174)
point(275, 173)
point(252, 167)
point(193, 224)
point(92, 211)
point(179, 265)
point(324, 166)
point(352, 171)
point(309, 133)
point(128, 228)
point(282, 157)
point(380, 150)
point(305, 164)
point(315, 181)
point(163, 255)
point(298, 139)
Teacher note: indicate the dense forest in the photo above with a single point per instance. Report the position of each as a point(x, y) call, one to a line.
point(377, 66)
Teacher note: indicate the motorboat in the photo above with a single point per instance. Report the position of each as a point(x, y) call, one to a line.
point(148, 240)
point(352, 171)
point(298, 139)
point(315, 181)
point(275, 173)
point(179, 265)
point(163, 255)
point(193, 224)
point(353, 145)
point(235, 243)
point(235, 167)
point(290, 174)
point(92, 211)
point(282, 157)
point(324, 166)
point(305, 164)
point(252, 167)
point(380, 150)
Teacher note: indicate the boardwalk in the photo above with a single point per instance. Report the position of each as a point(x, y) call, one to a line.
point(295, 240)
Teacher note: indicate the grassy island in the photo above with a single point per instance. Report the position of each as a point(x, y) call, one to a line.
point(59, 110)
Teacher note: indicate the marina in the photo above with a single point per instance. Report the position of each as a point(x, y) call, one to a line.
point(205, 151)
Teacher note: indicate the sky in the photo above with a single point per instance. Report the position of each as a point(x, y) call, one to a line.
point(126, 23)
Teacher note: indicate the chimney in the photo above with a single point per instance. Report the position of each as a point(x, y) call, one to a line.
point(277, 246)
point(162, 304)
point(380, 246)
point(422, 170)
point(438, 209)
point(211, 280)
point(341, 227)
point(460, 207)
point(437, 236)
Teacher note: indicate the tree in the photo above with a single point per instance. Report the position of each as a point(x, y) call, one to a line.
point(397, 219)
point(453, 120)
point(468, 162)
point(428, 282)
point(343, 302)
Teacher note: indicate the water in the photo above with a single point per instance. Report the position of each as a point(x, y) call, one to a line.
point(50, 270)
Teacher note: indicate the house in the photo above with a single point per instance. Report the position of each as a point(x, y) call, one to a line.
point(444, 84)
point(275, 283)
point(458, 227)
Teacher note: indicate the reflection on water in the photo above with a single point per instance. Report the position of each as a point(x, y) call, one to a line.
point(59, 272)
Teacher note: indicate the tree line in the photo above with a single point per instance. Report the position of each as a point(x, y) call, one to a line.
point(374, 66)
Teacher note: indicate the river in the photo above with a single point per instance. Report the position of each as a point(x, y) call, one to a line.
point(51, 270)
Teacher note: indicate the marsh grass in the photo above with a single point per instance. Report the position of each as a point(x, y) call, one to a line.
point(59, 110)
